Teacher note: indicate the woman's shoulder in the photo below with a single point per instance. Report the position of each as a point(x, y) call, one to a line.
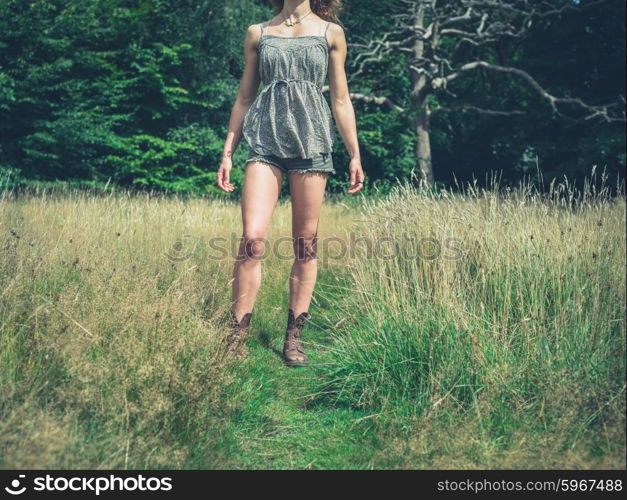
point(255, 29)
point(335, 28)
point(254, 32)
point(335, 34)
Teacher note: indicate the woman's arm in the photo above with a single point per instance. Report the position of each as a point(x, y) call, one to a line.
point(247, 92)
point(342, 106)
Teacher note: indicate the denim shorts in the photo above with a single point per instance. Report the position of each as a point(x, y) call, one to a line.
point(321, 163)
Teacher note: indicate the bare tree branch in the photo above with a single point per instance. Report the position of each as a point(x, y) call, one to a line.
point(470, 107)
point(601, 111)
point(386, 102)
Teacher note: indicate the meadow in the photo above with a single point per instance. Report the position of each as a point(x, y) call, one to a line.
point(481, 328)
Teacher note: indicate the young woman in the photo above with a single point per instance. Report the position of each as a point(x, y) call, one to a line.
point(289, 130)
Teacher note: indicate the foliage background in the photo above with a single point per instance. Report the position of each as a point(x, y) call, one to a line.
point(138, 93)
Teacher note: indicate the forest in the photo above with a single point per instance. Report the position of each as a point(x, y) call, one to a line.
point(138, 93)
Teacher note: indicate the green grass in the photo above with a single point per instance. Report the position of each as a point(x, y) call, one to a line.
point(511, 355)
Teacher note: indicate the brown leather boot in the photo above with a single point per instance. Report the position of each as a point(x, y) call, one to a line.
point(293, 353)
point(236, 338)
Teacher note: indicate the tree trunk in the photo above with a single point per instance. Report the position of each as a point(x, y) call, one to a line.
point(422, 148)
point(420, 107)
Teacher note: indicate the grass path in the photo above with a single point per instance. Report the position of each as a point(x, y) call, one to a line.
point(276, 425)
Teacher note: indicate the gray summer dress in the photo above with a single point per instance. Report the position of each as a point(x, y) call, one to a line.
point(290, 123)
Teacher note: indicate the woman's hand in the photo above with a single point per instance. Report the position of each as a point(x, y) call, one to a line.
point(224, 173)
point(356, 176)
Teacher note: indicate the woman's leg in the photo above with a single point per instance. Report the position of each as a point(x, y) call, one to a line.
point(307, 194)
point(262, 185)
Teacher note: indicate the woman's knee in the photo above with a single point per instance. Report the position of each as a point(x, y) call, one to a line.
point(305, 246)
point(252, 246)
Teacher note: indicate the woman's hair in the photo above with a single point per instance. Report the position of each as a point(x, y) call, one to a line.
point(326, 9)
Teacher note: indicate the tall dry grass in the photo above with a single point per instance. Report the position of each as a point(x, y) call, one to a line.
point(485, 329)
point(107, 358)
point(494, 321)
point(112, 309)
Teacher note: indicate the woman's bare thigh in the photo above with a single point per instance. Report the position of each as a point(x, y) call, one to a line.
point(262, 185)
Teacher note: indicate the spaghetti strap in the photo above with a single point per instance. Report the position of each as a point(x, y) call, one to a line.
point(326, 29)
point(261, 25)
